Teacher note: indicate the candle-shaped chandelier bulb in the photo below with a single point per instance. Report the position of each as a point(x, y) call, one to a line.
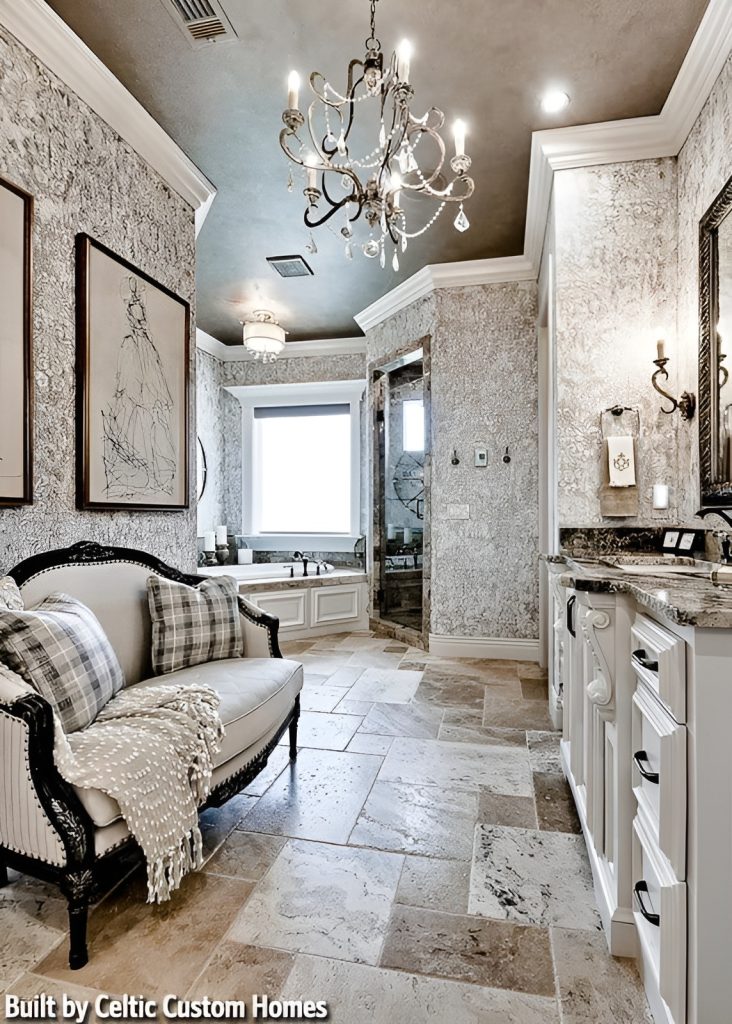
point(404, 59)
point(293, 90)
point(396, 186)
point(458, 131)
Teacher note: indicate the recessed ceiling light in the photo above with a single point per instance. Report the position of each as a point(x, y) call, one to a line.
point(554, 100)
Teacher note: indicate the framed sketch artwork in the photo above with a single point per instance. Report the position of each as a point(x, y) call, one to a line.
point(16, 359)
point(132, 337)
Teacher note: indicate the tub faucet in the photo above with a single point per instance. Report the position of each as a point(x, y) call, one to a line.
point(300, 556)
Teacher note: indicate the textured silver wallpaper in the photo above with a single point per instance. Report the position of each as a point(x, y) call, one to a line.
point(84, 178)
point(704, 165)
point(484, 392)
point(616, 280)
point(210, 431)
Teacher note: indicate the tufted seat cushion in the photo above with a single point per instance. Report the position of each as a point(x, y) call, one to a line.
point(256, 694)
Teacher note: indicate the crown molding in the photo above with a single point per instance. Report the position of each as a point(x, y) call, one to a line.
point(49, 38)
point(638, 138)
point(293, 349)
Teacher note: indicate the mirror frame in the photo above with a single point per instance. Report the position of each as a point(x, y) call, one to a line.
point(713, 492)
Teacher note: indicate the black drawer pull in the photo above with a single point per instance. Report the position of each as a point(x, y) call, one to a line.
point(639, 888)
point(641, 757)
point(570, 614)
point(644, 661)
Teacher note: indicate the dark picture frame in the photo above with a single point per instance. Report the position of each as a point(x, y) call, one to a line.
point(132, 386)
point(16, 345)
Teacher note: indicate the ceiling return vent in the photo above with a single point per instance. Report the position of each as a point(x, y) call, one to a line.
point(201, 21)
point(290, 266)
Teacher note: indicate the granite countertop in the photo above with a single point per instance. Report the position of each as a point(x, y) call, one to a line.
point(685, 600)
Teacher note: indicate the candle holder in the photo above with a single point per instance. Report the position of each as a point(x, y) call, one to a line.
point(461, 164)
point(294, 120)
point(312, 194)
point(209, 559)
point(686, 404)
point(222, 554)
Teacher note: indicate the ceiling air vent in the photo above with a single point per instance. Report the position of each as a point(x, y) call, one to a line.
point(290, 266)
point(201, 21)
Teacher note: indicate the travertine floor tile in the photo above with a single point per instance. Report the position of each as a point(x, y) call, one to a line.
point(449, 691)
point(236, 971)
point(279, 759)
point(367, 743)
point(322, 731)
point(533, 877)
point(219, 822)
point(594, 987)
point(555, 808)
point(372, 658)
point(319, 797)
point(353, 707)
point(417, 819)
point(321, 698)
point(137, 947)
point(328, 900)
point(31, 985)
point(368, 995)
point(514, 811)
point(480, 734)
point(345, 676)
point(534, 689)
point(498, 954)
point(390, 686)
point(30, 926)
point(417, 720)
point(320, 664)
point(472, 766)
point(435, 884)
point(515, 714)
point(544, 751)
point(247, 855)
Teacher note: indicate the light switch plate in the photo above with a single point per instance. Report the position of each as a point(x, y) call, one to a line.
point(455, 511)
point(481, 457)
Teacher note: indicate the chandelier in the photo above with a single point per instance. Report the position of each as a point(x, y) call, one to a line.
point(369, 188)
point(263, 336)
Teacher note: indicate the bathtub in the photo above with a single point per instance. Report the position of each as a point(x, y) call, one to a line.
point(333, 602)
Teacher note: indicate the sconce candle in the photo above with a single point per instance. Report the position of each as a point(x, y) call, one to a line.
point(661, 348)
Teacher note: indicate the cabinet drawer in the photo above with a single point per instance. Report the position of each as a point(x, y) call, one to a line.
point(659, 775)
point(659, 659)
point(660, 916)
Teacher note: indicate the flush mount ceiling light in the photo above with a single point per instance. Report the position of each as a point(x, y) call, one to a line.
point(554, 100)
point(263, 336)
point(339, 183)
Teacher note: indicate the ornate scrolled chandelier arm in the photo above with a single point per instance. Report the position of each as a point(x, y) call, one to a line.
point(375, 182)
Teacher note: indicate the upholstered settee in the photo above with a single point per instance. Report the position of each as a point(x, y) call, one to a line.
point(78, 837)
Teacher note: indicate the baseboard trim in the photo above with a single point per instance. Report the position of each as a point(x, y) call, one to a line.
point(495, 648)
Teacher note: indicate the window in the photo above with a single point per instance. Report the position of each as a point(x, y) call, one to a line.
point(413, 425)
point(301, 465)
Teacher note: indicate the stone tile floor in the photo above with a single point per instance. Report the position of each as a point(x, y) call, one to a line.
point(421, 861)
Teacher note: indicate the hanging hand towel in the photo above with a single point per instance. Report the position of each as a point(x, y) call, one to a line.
point(621, 461)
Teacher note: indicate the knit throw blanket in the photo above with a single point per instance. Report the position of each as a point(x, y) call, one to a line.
point(151, 749)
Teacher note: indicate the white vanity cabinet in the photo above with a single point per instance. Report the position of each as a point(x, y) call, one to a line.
point(647, 750)
point(596, 751)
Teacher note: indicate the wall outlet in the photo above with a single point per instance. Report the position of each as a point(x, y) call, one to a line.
point(455, 511)
point(481, 457)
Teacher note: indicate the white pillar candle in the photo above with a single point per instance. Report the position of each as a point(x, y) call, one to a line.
point(660, 494)
point(390, 531)
point(458, 130)
point(407, 535)
point(209, 541)
point(404, 57)
point(245, 556)
point(221, 537)
point(293, 90)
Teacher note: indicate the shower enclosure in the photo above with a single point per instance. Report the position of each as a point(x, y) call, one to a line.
point(401, 449)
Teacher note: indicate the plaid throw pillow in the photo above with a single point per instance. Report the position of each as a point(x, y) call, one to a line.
point(10, 596)
point(60, 650)
point(191, 625)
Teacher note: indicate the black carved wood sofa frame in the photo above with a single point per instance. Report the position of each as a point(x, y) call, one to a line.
point(83, 874)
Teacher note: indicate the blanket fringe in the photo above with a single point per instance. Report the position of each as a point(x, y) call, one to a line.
point(165, 874)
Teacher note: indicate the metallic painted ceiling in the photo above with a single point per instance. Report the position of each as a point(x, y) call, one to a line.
point(487, 61)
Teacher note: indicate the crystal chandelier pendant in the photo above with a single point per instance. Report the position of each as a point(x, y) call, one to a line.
point(349, 250)
point(382, 256)
point(330, 142)
point(382, 136)
point(461, 222)
point(341, 144)
point(311, 247)
point(370, 248)
point(346, 183)
point(290, 182)
point(404, 243)
point(395, 261)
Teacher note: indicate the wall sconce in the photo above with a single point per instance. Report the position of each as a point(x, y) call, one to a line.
point(687, 403)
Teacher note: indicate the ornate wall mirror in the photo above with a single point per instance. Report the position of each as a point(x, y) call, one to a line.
point(201, 469)
point(715, 351)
